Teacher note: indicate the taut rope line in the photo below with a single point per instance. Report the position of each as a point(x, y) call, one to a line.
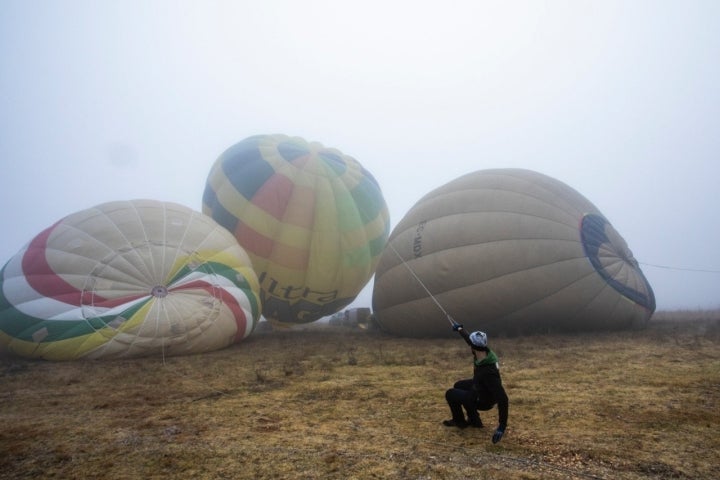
point(450, 319)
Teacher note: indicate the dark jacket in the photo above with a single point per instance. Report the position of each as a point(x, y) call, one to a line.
point(488, 384)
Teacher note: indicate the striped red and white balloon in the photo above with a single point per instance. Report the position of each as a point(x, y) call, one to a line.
point(127, 279)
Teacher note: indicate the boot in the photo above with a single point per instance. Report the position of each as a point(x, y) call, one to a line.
point(455, 423)
point(474, 421)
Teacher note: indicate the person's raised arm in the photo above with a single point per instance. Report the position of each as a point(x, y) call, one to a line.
point(458, 327)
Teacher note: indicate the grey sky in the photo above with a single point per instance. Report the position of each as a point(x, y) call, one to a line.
point(105, 101)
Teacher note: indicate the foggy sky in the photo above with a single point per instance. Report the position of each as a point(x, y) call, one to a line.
point(104, 101)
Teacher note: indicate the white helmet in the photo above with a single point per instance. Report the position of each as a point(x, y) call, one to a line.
point(478, 339)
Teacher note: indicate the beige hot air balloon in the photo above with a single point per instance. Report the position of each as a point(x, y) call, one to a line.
point(512, 251)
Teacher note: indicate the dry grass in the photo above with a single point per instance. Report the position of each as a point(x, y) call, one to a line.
point(330, 402)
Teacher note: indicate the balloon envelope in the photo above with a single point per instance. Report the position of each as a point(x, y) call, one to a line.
point(126, 279)
point(512, 251)
point(312, 219)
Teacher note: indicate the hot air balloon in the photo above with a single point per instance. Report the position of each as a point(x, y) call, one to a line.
point(128, 279)
point(507, 251)
point(312, 219)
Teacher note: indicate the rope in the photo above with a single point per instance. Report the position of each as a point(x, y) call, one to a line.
point(679, 268)
point(450, 319)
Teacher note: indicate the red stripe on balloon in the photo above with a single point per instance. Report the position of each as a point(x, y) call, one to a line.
point(253, 241)
point(41, 277)
point(226, 298)
point(100, 302)
point(274, 195)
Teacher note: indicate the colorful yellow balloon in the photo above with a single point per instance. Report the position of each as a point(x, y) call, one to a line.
point(312, 219)
point(128, 279)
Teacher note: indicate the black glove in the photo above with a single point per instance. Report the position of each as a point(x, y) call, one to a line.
point(457, 326)
point(499, 432)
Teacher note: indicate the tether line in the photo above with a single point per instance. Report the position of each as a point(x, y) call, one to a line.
point(450, 319)
point(667, 267)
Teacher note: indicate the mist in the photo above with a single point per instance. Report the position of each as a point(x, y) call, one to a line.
point(103, 101)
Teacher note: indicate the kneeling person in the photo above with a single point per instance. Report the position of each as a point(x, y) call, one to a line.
point(482, 392)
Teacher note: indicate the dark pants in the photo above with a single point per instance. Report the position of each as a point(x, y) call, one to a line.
point(463, 395)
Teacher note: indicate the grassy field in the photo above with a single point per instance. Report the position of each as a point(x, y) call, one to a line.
point(333, 402)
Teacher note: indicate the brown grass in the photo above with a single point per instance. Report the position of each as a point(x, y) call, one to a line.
point(331, 402)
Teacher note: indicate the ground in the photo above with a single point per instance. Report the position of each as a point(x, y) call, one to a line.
point(337, 402)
